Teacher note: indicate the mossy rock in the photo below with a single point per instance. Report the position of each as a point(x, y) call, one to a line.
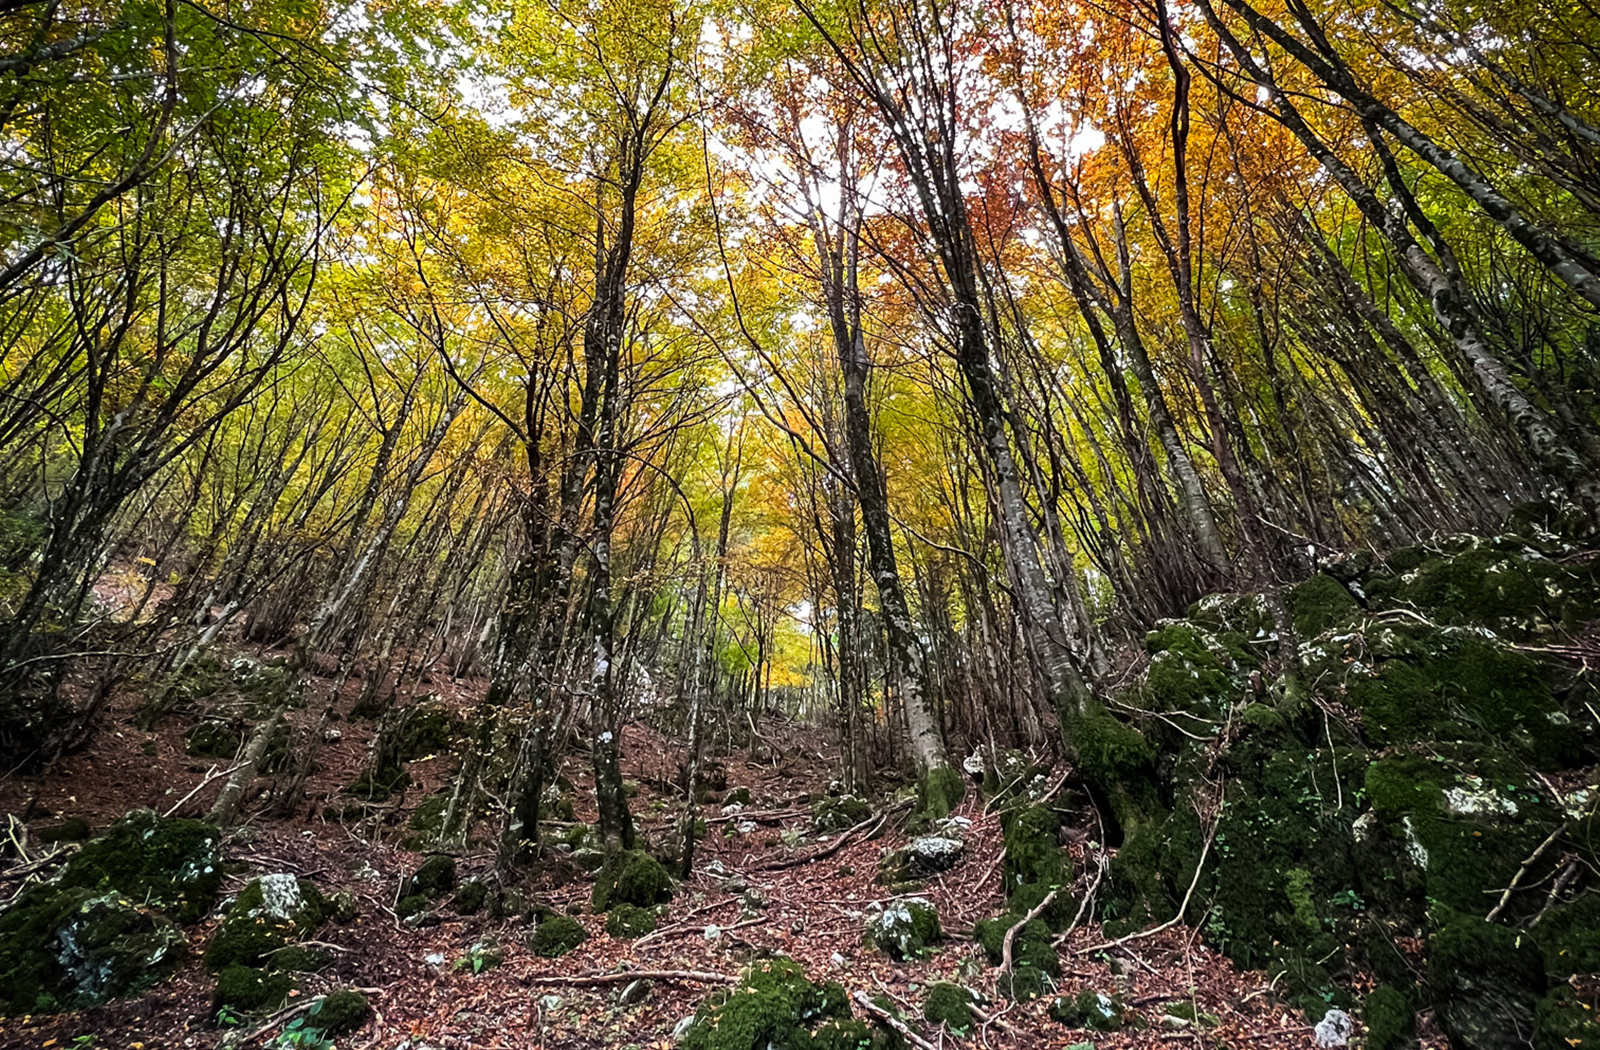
point(628, 921)
point(1034, 963)
point(297, 958)
point(339, 1014)
point(555, 936)
point(839, 814)
point(71, 948)
point(414, 904)
point(1391, 1021)
point(433, 878)
point(170, 863)
point(905, 928)
point(269, 914)
point(1320, 604)
point(212, 740)
point(1486, 982)
point(470, 898)
point(774, 1006)
point(1088, 1009)
point(245, 989)
point(739, 795)
point(427, 729)
point(1186, 674)
point(1035, 863)
point(426, 822)
point(949, 1005)
point(1564, 1022)
point(631, 877)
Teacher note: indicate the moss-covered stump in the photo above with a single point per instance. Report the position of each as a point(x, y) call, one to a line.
point(630, 877)
point(939, 791)
point(1403, 776)
point(1035, 966)
point(839, 814)
point(1035, 864)
point(949, 1005)
point(339, 1014)
point(775, 1007)
point(269, 914)
point(625, 921)
point(106, 927)
point(1391, 1022)
point(555, 936)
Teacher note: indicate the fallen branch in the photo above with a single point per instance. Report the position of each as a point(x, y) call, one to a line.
point(700, 976)
point(1200, 865)
point(283, 1015)
point(1533, 858)
point(833, 847)
point(892, 1022)
point(1011, 934)
point(765, 816)
point(212, 774)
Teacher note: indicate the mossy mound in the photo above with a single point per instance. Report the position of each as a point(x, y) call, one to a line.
point(1486, 982)
point(72, 829)
point(1391, 1022)
point(555, 936)
point(1088, 1009)
point(839, 814)
point(433, 878)
point(631, 877)
point(739, 795)
point(246, 989)
point(106, 926)
point(297, 958)
point(269, 914)
point(949, 1005)
point(165, 862)
point(470, 898)
point(905, 928)
point(774, 1007)
point(1035, 966)
point(65, 949)
point(339, 1014)
point(1400, 775)
point(1035, 864)
point(628, 921)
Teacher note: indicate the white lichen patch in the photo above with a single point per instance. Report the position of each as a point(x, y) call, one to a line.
point(1473, 798)
point(280, 896)
point(1414, 847)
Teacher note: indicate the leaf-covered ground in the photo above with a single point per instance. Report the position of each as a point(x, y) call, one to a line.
point(816, 911)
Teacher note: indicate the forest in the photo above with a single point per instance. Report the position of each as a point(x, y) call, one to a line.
point(785, 524)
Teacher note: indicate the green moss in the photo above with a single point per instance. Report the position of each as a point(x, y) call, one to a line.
point(1184, 673)
point(1319, 604)
point(68, 948)
point(631, 877)
point(340, 1013)
point(839, 814)
point(905, 929)
point(470, 898)
point(1035, 864)
point(1035, 965)
point(428, 729)
point(245, 989)
point(298, 959)
point(170, 863)
point(380, 784)
point(738, 795)
point(435, 877)
point(774, 1006)
point(556, 935)
point(1564, 1022)
point(950, 1005)
point(1485, 981)
point(212, 740)
point(252, 932)
point(627, 921)
point(939, 792)
point(1088, 1009)
point(1569, 936)
point(414, 904)
point(1391, 1023)
point(1297, 887)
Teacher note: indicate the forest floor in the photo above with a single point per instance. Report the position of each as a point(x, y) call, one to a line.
point(816, 915)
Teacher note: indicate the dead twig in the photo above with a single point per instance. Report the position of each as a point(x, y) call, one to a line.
point(212, 774)
point(1011, 934)
point(698, 976)
point(1533, 858)
point(892, 1022)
